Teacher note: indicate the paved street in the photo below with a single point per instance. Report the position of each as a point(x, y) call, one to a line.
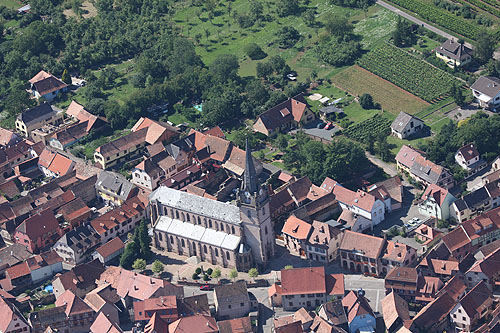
point(419, 22)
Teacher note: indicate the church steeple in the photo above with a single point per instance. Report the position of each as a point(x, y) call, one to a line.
point(249, 176)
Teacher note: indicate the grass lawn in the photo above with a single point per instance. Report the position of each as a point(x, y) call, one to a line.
point(396, 143)
point(12, 4)
point(392, 98)
point(357, 114)
point(222, 35)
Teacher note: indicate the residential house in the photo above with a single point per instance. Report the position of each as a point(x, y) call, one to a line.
point(39, 231)
point(80, 279)
point(102, 300)
point(44, 266)
point(114, 189)
point(334, 313)
point(49, 320)
point(12, 255)
point(47, 86)
point(477, 202)
point(120, 220)
point(184, 177)
point(117, 151)
point(152, 170)
point(373, 255)
point(103, 324)
point(321, 325)
point(359, 313)
point(453, 53)
point(487, 91)
point(68, 136)
point(8, 138)
point(78, 112)
point(54, 165)
point(428, 289)
point(427, 235)
point(469, 159)
point(403, 281)
point(435, 202)
point(301, 318)
point(79, 314)
point(390, 191)
point(455, 288)
point(485, 270)
point(36, 117)
point(406, 125)
point(195, 323)
point(77, 245)
point(296, 233)
point(323, 242)
point(12, 320)
point(196, 304)
point(182, 151)
point(307, 287)
point(156, 325)
point(133, 287)
point(157, 131)
point(294, 112)
point(295, 327)
point(354, 222)
point(433, 317)
point(360, 203)
point(240, 325)
point(472, 234)
point(232, 300)
point(164, 307)
point(472, 308)
point(422, 170)
point(395, 312)
point(17, 278)
point(111, 250)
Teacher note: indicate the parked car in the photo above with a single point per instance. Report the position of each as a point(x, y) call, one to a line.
point(328, 125)
point(321, 125)
point(292, 76)
point(206, 287)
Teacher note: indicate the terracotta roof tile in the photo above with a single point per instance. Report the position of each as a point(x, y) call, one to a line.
point(110, 247)
point(394, 308)
point(369, 246)
point(303, 280)
point(296, 228)
point(239, 325)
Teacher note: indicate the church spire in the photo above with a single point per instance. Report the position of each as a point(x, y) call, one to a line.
point(249, 176)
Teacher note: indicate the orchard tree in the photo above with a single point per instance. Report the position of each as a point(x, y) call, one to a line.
point(139, 264)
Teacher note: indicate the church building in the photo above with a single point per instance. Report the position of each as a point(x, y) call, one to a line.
point(238, 235)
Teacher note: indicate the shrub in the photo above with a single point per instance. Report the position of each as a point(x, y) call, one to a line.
point(205, 277)
point(195, 276)
point(209, 271)
point(254, 52)
point(198, 270)
point(366, 101)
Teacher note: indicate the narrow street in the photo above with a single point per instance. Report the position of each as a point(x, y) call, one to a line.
point(419, 22)
point(388, 168)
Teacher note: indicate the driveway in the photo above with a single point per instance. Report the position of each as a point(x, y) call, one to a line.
point(323, 134)
point(419, 22)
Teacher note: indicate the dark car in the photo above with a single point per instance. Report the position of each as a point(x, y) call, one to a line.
point(321, 125)
point(206, 287)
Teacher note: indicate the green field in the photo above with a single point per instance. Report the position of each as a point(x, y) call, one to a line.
point(13, 4)
point(358, 81)
point(408, 72)
point(226, 37)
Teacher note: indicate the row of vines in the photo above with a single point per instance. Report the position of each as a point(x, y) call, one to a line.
point(482, 5)
point(371, 127)
point(408, 72)
point(447, 20)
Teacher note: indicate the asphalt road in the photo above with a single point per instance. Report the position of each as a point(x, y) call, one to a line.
point(419, 22)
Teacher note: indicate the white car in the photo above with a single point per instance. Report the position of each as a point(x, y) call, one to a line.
point(291, 77)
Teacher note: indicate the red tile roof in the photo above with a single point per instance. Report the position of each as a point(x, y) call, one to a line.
point(19, 270)
point(366, 245)
point(455, 287)
point(103, 324)
point(237, 325)
point(394, 308)
point(215, 131)
point(309, 280)
point(74, 304)
point(296, 228)
point(335, 284)
point(196, 323)
point(39, 224)
point(439, 194)
point(434, 312)
point(489, 265)
point(356, 305)
point(469, 152)
point(110, 247)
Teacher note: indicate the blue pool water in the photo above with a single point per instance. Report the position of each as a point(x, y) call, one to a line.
point(49, 288)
